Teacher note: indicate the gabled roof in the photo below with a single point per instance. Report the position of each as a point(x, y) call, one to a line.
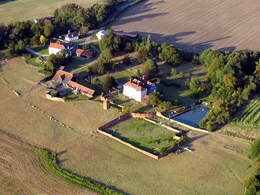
point(56, 45)
point(103, 32)
point(81, 87)
point(135, 86)
point(63, 75)
point(71, 35)
point(86, 53)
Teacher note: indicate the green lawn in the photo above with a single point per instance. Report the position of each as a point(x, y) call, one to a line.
point(76, 63)
point(35, 62)
point(182, 94)
point(41, 49)
point(74, 97)
point(79, 40)
point(121, 74)
point(134, 107)
point(143, 134)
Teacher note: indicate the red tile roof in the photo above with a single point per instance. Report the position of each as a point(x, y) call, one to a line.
point(63, 75)
point(135, 85)
point(86, 53)
point(71, 35)
point(81, 87)
point(55, 45)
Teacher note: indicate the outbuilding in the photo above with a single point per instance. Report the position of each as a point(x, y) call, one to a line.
point(100, 34)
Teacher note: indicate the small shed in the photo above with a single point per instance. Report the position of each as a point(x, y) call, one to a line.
point(100, 34)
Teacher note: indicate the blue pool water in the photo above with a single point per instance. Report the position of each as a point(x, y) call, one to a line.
point(192, 117)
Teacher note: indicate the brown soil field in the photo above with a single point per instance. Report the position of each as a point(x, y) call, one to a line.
point(196, 25)
point(14, 10)
point(22, 171)
point(218, 165)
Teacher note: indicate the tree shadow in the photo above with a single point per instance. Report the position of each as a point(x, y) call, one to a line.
point(6, 1)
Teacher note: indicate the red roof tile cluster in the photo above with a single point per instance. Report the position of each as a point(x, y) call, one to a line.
point(62, 74)
point(136, 85)
point(81, 87)
point(56, 45)
point(71, 35)
point(81, 52)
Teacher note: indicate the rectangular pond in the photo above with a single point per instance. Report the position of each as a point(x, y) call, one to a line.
point(192, 117)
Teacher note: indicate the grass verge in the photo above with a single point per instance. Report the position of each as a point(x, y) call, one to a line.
point(50, 160)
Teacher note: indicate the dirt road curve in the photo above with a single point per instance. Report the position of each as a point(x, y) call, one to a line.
point(23, 172)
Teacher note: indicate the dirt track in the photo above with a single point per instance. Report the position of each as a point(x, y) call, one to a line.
point(23, 172)
point(196, 25)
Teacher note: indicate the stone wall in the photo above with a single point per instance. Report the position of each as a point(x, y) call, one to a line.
point(182, 124)
point(48, 96)
point(141, 115)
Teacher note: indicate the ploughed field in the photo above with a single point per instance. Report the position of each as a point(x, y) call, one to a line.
point(22, 171)
point(196, 25)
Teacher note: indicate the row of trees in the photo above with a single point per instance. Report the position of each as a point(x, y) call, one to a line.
point(69, 16)
point(234, 77)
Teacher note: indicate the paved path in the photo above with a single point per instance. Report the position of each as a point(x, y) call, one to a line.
point(45, 56)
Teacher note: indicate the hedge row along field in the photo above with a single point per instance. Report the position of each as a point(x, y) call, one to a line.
point(251, 115)
point(50, 160)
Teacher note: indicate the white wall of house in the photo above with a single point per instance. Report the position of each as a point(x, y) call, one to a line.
point(54, 50)
point(72, 38)
point(134, 93)
point(100, 34)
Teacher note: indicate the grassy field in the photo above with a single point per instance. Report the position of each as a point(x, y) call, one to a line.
point(41, 49)
point(143, 134)
point(189, 26)
point(76, 63)
point(35, 62)
point(31, 9)
point(89, 154)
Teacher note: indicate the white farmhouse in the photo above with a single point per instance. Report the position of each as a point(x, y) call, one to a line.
point(134, 89)
point(71, 36)
point(54, 48)
point(100, 34)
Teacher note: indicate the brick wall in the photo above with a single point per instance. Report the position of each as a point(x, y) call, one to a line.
point(141, 115)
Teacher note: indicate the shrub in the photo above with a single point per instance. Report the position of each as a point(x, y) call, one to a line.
point(126, 60)
point(174, 71)
point(163, 150)
point(250, 180)
point(254, 149)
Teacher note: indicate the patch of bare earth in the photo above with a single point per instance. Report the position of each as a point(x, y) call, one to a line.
point(22, 171)
point(196, 25)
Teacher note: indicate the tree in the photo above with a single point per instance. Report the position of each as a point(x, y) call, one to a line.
point(150, 66)
point(106, 54)
point(148, 44)
point(96, 81)
point(109, 42)
point(174, 71)
point(108, 82)
point(51, 62)
point(142, 55)
point(83, 30)
point(254, 149)
point(126, 60)
point(48, 28)
point(138, 74)
point(155, 98)
point(54, 93)
point(86, 46)
point(43, 40)
point(175, 101)
point(170, 54)
point(194, 84)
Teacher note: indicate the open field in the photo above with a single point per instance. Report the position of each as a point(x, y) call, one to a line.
point(196, 25)
point(143, 134)
point(14, 10)
point(86, 153)
point(24, 172)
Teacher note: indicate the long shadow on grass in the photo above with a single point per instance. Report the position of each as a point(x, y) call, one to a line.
point(6, 1)
point(134, 143)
